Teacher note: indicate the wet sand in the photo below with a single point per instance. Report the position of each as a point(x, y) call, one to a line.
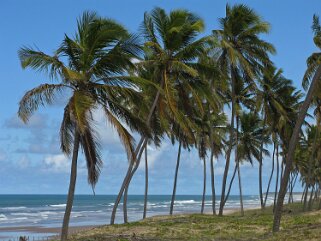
point(37, 231)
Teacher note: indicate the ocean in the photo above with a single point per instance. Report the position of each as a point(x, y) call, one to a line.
point(48, 210)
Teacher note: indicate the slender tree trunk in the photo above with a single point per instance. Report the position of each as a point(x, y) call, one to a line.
point(260, 167)
point(72, 186)
point(122, 188)
point(270, 179)
point(293, 142)
point(175, 178)
point(304, 191)
point(311, 199)
point(277, 176)
point(228, 153)
point(140, 153)
point(240, 188)
point(292, 187)
point(282, 169)
point(146, 184)
point(305, 206)
point(204, 185)
point(125, 198)
point(230, 186)
point(133, 161)
point(213, 182)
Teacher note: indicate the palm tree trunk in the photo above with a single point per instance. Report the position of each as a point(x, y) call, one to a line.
point(72, 186)
point(260, 167)
point(304, 191)
point(175, 178)
point(204, 185)
point(270, 179)
point(277, 176)
point(125, 198)
point(240, 188)
point(230, 186)
point(141, 150)
point(282, 170)
point(305, 206)
point(311, 199)
point(293, 142)
point(132, 162)
point(122, 188)
point(146, 184)
point(228, 153)
point(213, 182)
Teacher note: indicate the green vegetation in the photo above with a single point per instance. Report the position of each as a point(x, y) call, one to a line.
point(254, 225)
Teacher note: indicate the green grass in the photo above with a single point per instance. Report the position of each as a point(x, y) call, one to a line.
point(255, 225)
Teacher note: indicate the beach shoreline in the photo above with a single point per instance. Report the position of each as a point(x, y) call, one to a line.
point(55, 231)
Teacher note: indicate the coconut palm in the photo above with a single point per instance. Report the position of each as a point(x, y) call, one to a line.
point(172, 49)
point(272, 87)
point(249, 142)
point(240, 50)
point(313, 75)
point(89, 68)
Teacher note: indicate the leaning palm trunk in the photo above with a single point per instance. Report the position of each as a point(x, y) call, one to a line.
point(293, 142)
point(175, 178)
point(230, 186)
point(213, 182)
point(305, 198)
point(260, 167)
point(240, 188)
point(118, 198)
point(133, 162)
point(204, 185)
point(146, 184)
point(228, 153)
point(270, 179)
point(152, 110)
point(72, 185)
point(129, 180)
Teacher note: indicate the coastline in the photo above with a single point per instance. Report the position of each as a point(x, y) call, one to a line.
point(51, 232)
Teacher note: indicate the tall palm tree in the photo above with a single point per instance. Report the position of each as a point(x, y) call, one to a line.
point(249, 143)
point(172, 48)
point(240, 50)
point(313, 75)
point(89, 68)
point(272, 87)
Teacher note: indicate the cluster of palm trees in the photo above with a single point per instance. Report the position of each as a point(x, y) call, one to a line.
point(218, 94)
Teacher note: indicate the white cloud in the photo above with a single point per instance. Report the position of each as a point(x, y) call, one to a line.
point(153, 155)
point(36, 121)
point(57, 163)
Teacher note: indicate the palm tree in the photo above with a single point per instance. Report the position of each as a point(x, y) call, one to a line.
point(172, 49)
point(249, 143)
point(216, 131)
point(240, 50)
point(313, 74)
point(89, 68)
point(272, 87)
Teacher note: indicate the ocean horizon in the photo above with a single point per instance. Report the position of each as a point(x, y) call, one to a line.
point(46, 211)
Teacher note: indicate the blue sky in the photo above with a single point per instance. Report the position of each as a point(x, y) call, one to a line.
point(30, 159)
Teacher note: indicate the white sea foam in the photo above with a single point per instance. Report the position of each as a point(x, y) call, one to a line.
point(186, 202)
point(13, 208)
point(25, 214)
point(58, 205)
point(3, 217)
